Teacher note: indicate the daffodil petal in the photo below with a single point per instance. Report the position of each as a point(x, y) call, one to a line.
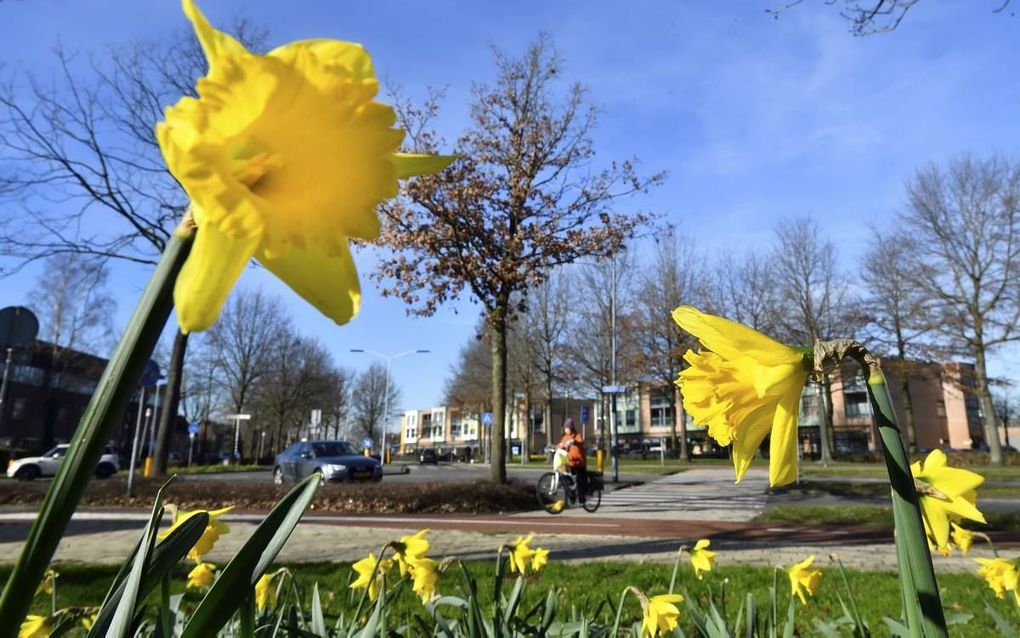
point(330, 283)
point(205, 280)
point(783, 444)
point(409, 165)
point(732, 340)
point(350, 56)
point(753, 431)
point(214, 43)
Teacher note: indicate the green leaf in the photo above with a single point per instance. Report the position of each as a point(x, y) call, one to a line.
point(318, 622)
point(103, 415)
point(167, 554)
point(1008, 631)
point(123, 617)
point(250, 562)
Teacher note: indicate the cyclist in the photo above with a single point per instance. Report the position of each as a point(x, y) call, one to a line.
point(576, 458)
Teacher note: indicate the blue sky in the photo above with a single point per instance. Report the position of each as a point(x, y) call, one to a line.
point(755, 119)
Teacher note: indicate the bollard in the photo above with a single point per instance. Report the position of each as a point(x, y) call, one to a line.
point(599, 458)
point(148, 467)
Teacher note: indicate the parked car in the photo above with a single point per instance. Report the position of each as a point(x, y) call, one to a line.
point(334, 461)
point(428, 455)
point(31, 467)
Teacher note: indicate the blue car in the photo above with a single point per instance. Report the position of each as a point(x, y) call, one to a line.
point(333, 461)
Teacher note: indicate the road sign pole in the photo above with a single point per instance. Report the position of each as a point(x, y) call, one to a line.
point(134, 444)
point(3, 389)
point(191, 447)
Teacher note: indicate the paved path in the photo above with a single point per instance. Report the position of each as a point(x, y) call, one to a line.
point(643, 523)
point(700, 494)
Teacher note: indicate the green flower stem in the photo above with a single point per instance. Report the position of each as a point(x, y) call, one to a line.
point(906, 509)
point(104, 412)
point(247, 613)
point(911, 610)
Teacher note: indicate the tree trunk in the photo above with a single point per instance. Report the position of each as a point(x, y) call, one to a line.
point(987, 409)
point(908, 412)
point(497, 332)
point(171, 400)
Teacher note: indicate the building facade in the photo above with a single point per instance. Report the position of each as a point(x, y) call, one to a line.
point(945, 409)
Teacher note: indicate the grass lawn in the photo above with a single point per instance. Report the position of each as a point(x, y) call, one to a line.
point(587, 587)
point(877, 470)
point(876, 515)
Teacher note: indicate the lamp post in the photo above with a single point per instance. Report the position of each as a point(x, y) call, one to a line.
point(386, 392)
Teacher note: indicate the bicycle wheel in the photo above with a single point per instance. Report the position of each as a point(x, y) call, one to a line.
point(551, 493)
point(593, 500)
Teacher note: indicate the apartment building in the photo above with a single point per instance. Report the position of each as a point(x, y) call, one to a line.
point(946, 414)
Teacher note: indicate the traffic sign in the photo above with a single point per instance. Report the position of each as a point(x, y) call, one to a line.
point(615, 389)
point(150, 374)
point(192, 428)
point(367, 442)
point(584, 414)
point(486, 418)
point(18, 327)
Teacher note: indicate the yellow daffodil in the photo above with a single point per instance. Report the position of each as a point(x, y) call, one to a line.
point(701, 558)
point(744, 386)
point(46, 585)
point(961, 537)
point(425, 575)
point(202, 575)
point(285, 157)
point(364, 569)
point(540, 560)
point(34, 627)
point(265, 591)
point(88, 620)
point(212, 533)
point(660, 615)
point(803, 578)
point(411, 548)
point(1001, 575)
point(945, 494)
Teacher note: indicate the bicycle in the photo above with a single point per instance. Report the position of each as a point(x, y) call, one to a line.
point(557, 490)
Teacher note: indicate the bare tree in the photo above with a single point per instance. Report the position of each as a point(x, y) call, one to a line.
point(867, 17)
point(523, 199)
point(298, 379)
point(817, 298)
point(251, 326)
point(336, 402)
point(545, 323)
point(76, 313)
point(897, 316)
point(470, 380)
point(369, 398)
point(676, 277)
point(746, 290)
point(965, 220)
point(88, 178)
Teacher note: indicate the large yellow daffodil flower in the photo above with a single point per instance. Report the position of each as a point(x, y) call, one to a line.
point(702, 559)
point(425, 574)
point(213, 530)
point(284, 156)
point(744, 386)
point(804, 579)
point(660, 615)
point(946, 494)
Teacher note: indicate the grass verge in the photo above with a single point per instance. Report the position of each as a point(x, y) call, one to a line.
point(874, 515)
point(586, 588)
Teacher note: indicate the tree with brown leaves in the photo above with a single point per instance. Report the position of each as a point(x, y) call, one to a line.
point(523, 198)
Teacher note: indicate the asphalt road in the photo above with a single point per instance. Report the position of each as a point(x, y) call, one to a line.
point(453, 472)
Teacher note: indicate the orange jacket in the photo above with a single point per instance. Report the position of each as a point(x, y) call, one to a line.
point(574, 445)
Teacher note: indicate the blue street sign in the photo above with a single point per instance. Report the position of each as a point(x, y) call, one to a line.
point(150, 374)
point(367, 442)
point(192, 428)
point(486, 418)
point(584, 414)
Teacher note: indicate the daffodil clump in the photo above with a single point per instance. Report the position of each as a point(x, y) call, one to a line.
point(411, 560)
point(523, 559)
point(947, 495)
point(660, 615)
point(744, 386)
point(284, 157)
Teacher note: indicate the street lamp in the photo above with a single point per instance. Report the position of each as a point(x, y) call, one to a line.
point(386, 392)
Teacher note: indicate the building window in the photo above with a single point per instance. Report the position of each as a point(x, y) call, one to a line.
point(18, 409)
point(940, 408)
point(857, 405)
point(661, 409)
